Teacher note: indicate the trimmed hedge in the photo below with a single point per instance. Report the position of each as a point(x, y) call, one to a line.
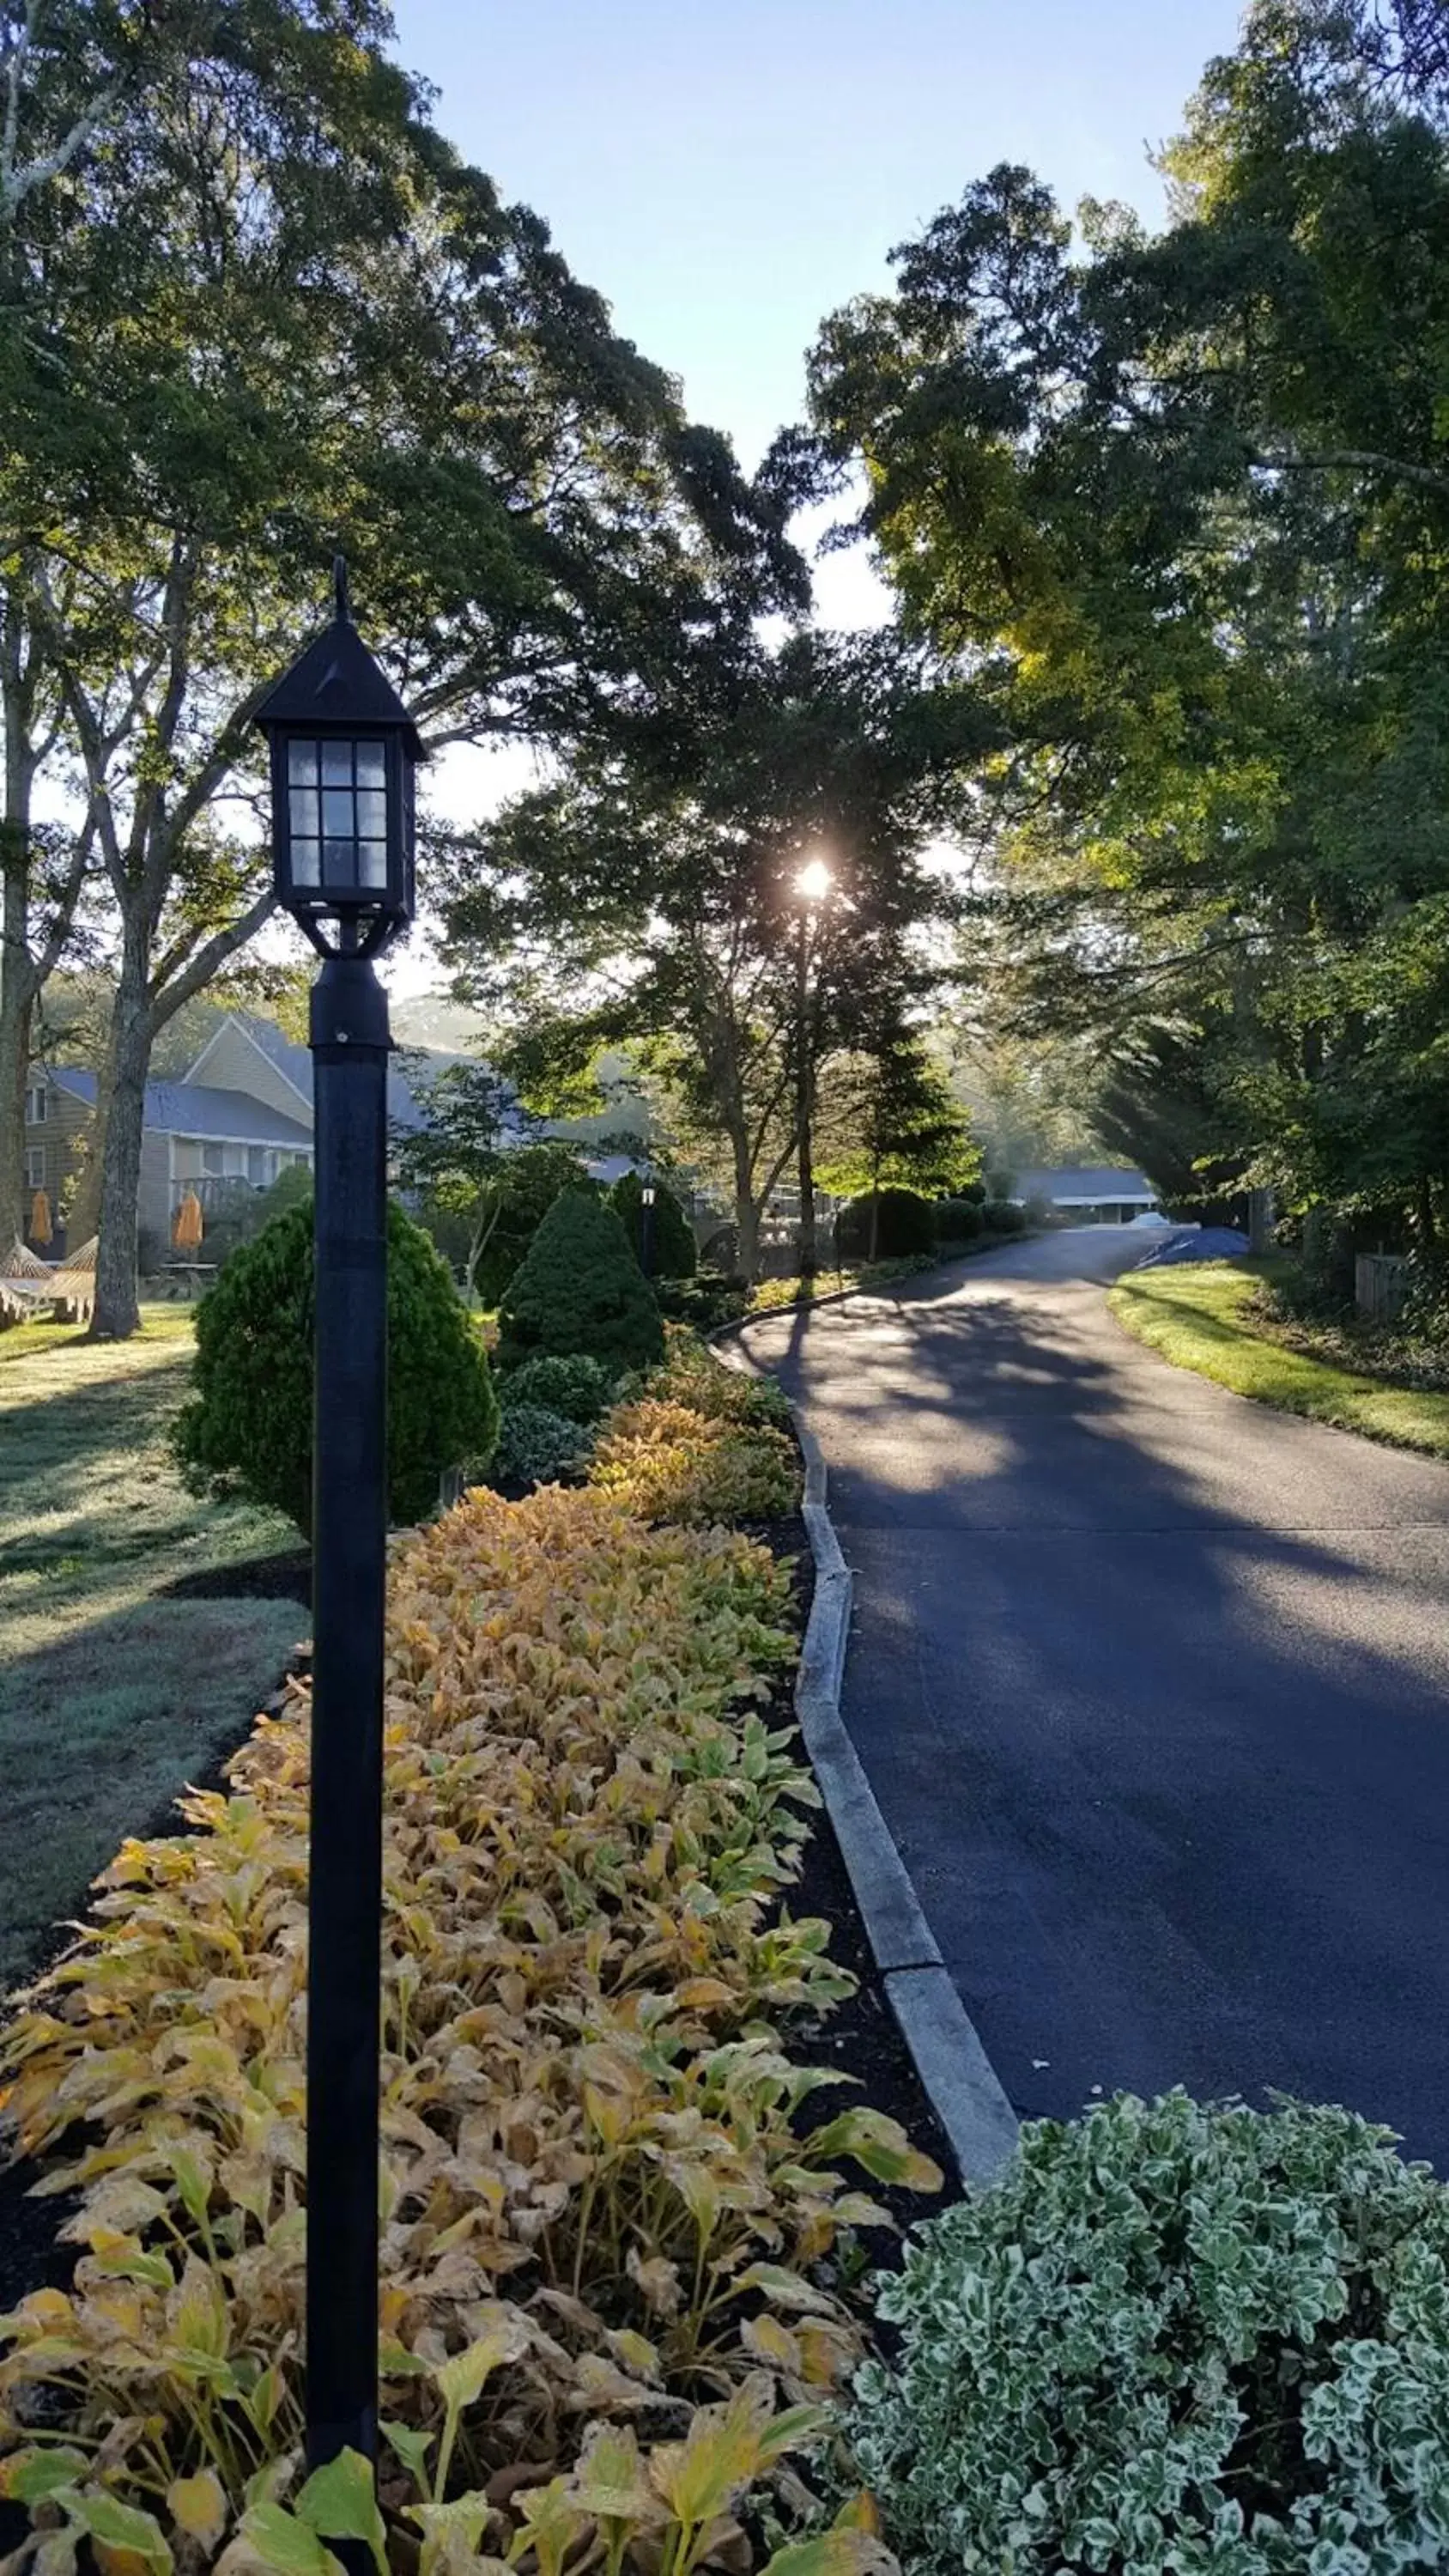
point(1003, 1216)
point(579, 1288)
point(248, 1426)
point(576, 1386)
point(959, 1220)
point(907, 1224)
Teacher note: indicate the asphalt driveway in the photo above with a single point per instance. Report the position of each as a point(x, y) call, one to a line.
point(1152, 1686)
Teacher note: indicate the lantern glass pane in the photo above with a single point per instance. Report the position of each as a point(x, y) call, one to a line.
point(372, 814)
point(371, 764)
point(372, 866)
point(337, 812)
point(337, 764)
point(302, 805)
point(302, 762)
point(306, 863)
point(339, 864)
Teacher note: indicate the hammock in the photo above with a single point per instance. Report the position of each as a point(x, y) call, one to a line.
point(27, 1284)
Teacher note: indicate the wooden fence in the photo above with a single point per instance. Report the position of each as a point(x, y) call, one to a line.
point(1380, 1283)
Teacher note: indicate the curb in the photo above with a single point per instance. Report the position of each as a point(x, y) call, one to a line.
point(955, 2073)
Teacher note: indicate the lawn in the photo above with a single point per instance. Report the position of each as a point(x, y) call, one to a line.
point(1193, 1314)
point(109, 1697)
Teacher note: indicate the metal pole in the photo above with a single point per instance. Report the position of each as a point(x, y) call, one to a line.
point(646, 1238)
point(803, 1101)
point(350, 1045)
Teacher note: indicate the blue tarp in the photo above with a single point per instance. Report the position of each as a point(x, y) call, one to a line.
point(1209, 1243)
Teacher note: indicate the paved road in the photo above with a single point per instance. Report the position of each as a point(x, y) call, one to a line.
point(1153, 1688)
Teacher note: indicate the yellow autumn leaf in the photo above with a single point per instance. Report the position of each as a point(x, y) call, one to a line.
point(198, 2506)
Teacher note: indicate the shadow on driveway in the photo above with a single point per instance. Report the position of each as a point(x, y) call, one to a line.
point(1153, 1688)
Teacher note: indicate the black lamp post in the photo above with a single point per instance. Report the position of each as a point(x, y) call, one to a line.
point(343, 753)
point(646, 1229)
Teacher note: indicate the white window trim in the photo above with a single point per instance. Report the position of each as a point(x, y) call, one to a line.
point(35, 1091)
point(35, 1177)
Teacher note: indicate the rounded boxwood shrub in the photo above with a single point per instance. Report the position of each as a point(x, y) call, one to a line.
point(958, 1220)
point(907, 1224)
point(1172, 2337)
point(536, 1446)
point(673, 1252)
point(1003, 1216)
point(248, 1426)
point(579, 1288)
point(576, 1386)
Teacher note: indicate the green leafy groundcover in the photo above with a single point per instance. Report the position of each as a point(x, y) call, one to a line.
point(1173, 2338)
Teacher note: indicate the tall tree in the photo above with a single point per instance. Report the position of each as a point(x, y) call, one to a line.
point(292, 316)
point(652, 895)
point(1181, 502)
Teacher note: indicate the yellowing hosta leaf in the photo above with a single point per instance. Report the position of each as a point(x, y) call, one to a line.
point(860, 2513)
point(880, 2145)
point(198, 2506)
point(552, 2523)
point(837, 2552)
point(119, 2526)
point(769, 2341)
point(610, 2481)
point(30, 2476)
point(460, 2381)
point(277, 2540)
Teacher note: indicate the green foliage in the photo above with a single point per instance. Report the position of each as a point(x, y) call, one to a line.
point(959, 1220)
point(1172, 2337)
point(536, 1446)
point(709, 1299)
point(889, 1117)
point(887, 1225)
point(523, 1190)
point(575, 1386)
point(248, 1426)
point(1182, 499)
point(669, 1237)
point(1003, 1216)
point(580, 1288)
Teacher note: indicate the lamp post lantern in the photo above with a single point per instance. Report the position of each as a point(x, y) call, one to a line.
point(646, 1229)
point(343, 754)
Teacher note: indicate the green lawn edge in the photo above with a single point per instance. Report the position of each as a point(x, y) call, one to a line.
point(1190, 1314)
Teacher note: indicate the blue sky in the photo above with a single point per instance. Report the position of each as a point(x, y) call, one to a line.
point(727, 171)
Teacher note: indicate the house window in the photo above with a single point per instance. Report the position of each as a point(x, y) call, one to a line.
point(35, 1167)
point(213, 1161)
point(34, 1104)
point(261, 1166)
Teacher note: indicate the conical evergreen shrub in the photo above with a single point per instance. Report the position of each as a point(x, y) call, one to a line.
point(579, 1288)
point(673, 1252)
point(248, 1426)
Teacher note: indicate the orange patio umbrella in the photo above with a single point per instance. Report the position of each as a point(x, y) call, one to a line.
point(40, 1225)
point(186, 1232)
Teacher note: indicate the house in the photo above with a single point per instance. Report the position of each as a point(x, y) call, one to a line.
point(1090, 1193)
point(241, 1114)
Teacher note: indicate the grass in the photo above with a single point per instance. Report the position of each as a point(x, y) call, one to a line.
point(1199, 1316)
point(109, 1697)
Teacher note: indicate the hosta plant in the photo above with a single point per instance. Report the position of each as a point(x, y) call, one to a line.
point(607, 2190)
point(1172, 2338)
point(669, 1462)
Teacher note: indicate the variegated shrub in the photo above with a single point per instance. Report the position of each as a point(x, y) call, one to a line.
point(607, 2314)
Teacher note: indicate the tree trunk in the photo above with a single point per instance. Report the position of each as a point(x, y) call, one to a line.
point(16, 1012)
point(117, 1315)
point(17, 969)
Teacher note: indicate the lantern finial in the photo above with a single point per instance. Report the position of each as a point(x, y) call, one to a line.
point(339, 589)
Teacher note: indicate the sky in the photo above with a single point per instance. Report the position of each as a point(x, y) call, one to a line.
point(727, 172)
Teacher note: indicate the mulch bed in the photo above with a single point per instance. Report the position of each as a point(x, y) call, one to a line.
point(860, 2037)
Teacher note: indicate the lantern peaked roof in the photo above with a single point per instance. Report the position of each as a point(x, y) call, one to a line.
point(337, 681)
